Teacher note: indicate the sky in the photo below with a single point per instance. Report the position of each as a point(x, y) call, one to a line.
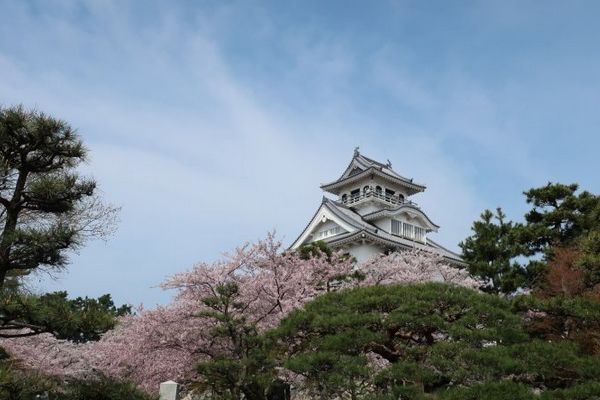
point(212, 123)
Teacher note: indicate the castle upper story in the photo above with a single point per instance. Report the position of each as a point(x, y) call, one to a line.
point(368, 185)
point(372, 213)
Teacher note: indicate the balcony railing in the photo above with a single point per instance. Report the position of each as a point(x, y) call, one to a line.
point(392, 199)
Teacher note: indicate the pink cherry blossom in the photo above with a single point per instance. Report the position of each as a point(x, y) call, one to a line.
point(51, 356)
point(413, 266)
point(166, 342)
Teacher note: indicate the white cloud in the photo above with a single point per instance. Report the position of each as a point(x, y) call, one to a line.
point(202, 159)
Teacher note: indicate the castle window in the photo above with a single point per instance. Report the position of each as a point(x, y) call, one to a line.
point(419, 234)
point(378, 189)
point(407, 231)
point(389, 195)
point(396, 227)
point(366, 189)
point(344, 198)
point(355, 194)
point(328, 232)
point(401, 197)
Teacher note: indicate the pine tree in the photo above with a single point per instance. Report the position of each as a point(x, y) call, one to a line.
point(491, 250)
point(510, 255)
point(429, 341)
point(46, 207)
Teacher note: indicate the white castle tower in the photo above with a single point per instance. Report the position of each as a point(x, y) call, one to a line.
point(373, 214)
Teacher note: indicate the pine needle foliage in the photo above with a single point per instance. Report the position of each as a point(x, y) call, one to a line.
point(46, 207)
point(427, 341)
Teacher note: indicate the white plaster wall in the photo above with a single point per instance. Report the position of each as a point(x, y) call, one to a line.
point(368, 207)
point(384, 224)
point(404, 217)
point(363, 252)
point(325, 226)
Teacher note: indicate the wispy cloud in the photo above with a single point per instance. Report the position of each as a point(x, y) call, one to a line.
point(212, 125)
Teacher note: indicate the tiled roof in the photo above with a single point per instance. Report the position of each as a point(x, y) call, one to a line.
point(349, 216)
point(368, 162)
point(361, 165)
point(391, 211)
point(363, 227)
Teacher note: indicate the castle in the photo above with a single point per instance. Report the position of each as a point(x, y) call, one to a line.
point(372, 214)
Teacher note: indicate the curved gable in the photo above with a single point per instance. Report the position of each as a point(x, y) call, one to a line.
point(323, 215)
point(408, 210)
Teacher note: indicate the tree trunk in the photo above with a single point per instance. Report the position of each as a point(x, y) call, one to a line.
point(10, 226)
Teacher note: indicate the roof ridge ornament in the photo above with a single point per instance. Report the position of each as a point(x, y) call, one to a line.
point(389, 163)
point(356, 152)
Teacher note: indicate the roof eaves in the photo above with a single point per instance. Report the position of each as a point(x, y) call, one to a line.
point(355, 221)
point(370, 160)
point(399, 242)
point(346, 179)
point(406, 181)
point(439, 246)
point(403, 181)
point(308, 224)
point(347, 168)
point(333, 207)
point(384, 239)
point(384, 167)
point(388, 211)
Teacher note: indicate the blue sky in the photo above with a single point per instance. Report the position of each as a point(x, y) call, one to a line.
point(211, 123)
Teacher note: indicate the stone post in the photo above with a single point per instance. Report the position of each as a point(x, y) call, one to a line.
point(169, 390)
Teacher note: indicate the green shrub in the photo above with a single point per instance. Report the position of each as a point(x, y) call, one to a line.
point(16, 384)
point(491, 391)
point(19, 384)
point(102, 389)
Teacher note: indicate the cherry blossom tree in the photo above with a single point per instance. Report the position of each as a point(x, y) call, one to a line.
point(51, 356)
point(249, 291)
point(413, 266)
point(165, 343)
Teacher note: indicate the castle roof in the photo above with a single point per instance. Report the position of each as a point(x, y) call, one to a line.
point(358, 228)
point(411, 208)
point(361, 167)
